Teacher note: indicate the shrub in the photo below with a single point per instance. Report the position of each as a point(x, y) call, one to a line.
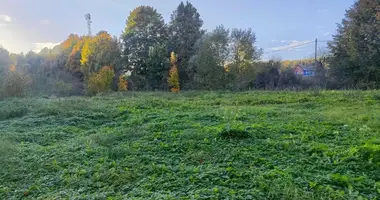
point(376, 97)
point(370, 152)
point(101, 81)
point(123, 84)
point(13, 111)
point(62, 88)
point(15, 83)
point(173, 74)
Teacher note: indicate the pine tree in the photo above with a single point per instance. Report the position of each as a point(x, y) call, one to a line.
point(173, 74)
point(185, 30)
point(355, 47)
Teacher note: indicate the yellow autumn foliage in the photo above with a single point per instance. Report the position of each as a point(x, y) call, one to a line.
point(123, 84)
point(101, 81)
point(173, 74)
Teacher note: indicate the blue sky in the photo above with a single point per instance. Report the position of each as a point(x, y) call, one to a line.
point(279, 24)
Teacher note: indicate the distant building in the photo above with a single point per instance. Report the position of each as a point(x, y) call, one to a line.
point(308, 70)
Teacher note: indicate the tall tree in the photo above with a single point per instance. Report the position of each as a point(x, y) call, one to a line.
point(73, 64)
point(185, 30)
point(145, 29)
point(5, 60)
point(356, 46)
point(99, 51)
point(210, 59)
point(243, 47)
point(243, 54)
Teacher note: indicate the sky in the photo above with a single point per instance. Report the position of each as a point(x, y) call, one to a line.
point(279, 25)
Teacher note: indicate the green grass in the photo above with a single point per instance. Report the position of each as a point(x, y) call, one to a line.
point(192, 145)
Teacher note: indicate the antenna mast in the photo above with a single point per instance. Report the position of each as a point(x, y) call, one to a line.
point(88, 19)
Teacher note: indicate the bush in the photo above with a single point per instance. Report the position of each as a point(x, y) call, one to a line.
point(173, 74)
point(63, 89)
point(101, 81)
point(15, 84)
point(123, 84)
point(376, 97)
point(13, 111)
point(288, 80)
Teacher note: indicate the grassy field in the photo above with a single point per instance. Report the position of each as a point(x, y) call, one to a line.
point(192, 145)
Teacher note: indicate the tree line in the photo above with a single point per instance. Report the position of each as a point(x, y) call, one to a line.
point(180, 55)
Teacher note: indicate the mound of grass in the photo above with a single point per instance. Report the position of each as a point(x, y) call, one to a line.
point(234, 134)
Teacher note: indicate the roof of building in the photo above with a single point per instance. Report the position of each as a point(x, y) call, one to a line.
point(311, 66)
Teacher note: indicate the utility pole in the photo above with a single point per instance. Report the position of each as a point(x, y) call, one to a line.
point(316, 45)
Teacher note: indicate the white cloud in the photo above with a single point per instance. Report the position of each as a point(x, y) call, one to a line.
point(326, 34)
point(292, 45)
point(274, 40)
point(2, 25)
point(284, 41)
point(45, 22)
point(37, 47)
point(5, 18)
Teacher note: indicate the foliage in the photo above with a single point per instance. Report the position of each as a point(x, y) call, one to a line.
point(200, 145)
point(173, 80)
point(98, 51)
point(355, 56)
point(268, 75)
point(220, 59)
point(242, 66)
point(208, 63)
point(243, 50)
point(157, 65)
point(184, 31)
point(288, 79)
point(101, 81)
point(145, 29)
point(5, 60)
point(15, 83)
point(122, 84)
point(63, 89)
point(74, 59)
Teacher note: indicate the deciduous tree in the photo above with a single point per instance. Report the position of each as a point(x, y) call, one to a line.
point(145, 34)
point(211, 57)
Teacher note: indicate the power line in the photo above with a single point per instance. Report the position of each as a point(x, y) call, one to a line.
point(292, 47)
